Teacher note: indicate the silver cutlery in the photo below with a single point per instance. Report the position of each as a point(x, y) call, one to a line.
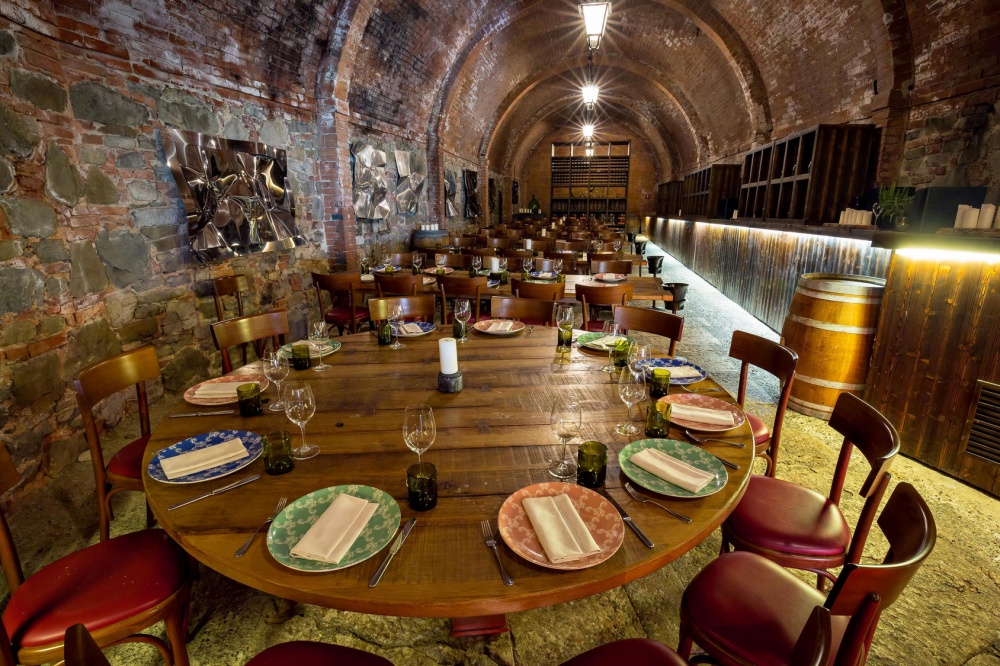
point(221, 412)
point(701, 390)
point(702, 440)
point(219, 491)
point(396, 545)
point(639, 498)
point(491, 543)
point(267, 521)
point(627, 518)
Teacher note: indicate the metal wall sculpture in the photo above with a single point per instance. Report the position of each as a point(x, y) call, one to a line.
point(235, 193)
point(412, 172)
point(472, 209)
point(370, 185)
point(450, 209)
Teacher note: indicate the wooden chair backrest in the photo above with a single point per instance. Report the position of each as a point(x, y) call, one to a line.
point(617, 294)
point(572, 246)
point(397, 284)
point(516, 253)
point(256, 328)
point(543, 245)
point(816, 640)
point(405, 259)
point(614, 266)
point(344, 288)
point(547, 291)
point(504, 307)
point(450, 260)
point(504, 243)
point(414, 307)
point(224, 286)
point(648, 320)
point(480, 252)
point(547, 265)
point(565, 255)
point(464, 241)
point(462, 286)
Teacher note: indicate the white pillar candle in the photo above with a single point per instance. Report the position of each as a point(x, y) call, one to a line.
point(843, 216)
point(448, 349)
point(495, 264)
point(986, 214)
point(960, 216)
point(971, 218)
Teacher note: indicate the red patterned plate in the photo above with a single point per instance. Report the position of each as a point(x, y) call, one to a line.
point(705, 402)
point(448, 270)
point(235, 378)
point(598, 515)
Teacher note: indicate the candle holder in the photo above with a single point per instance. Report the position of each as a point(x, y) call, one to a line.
point(449, 383)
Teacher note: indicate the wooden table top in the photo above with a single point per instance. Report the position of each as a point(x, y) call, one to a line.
point(644, 288)
point(493, 438)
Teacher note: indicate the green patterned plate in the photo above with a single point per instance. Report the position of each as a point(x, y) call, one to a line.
point(588, 340)
point(692, 455)
point(293, 523)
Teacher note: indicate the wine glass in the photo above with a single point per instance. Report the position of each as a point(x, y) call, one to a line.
point(596, 246)
point(396, 321)
point(477, 263)
point(502, 264)
point(527, 264)
point(418, 261)
point(276, 369)
point(319, 335)
point(637, 356)
point(364, 262)
point(566, 420)
point(463, 310)
point(611, 330)
point(440, 260)
point(300, 405)
point(631, 389)
point(419, 429)
point(557, 266)
point(618, 244)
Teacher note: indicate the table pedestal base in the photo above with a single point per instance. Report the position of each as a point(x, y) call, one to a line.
point(486, 625)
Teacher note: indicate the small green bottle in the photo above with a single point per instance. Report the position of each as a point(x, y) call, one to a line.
point(384, 333)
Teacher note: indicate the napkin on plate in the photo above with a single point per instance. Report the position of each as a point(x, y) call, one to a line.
point(671, 469)
point(333, 534)
point(561, 531)
point(610, 276)
point(719, 417)
point(607, 341)
point(500, 326)
point(202, 459)
point(368, 278)
point(219, 389)
point(412, 329)
point(682, 372)
point(429, 280)
point(546, 274)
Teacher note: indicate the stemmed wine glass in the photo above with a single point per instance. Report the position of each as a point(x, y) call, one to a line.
point(462, 313)
point(637, 354)
point(557, 266)
point(477, 263)
point(527, 264)
point(632, 390)
point(396, 321)
point(502, 264)
point(320, 337)
point(418, 261)
point(611, 330)
point(275, 369)
point(364, 262)
point(300, 405)
point(440, 260)
point(618, 244)
point(566, 420)
point(419, 429)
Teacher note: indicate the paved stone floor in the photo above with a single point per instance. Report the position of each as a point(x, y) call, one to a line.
point(949, 615)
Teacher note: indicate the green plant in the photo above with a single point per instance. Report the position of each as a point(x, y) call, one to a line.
point(894, 201)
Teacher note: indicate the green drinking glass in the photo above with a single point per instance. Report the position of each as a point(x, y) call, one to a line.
point(658, 419)
point(300, 357)
point(248, 397)
point(278, 453)
point(659, 383)
point(591, 464)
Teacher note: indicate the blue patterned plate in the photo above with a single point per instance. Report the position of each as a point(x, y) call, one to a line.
point(671, 363)
point(683, 451)
point(395, 269)
point(544, 275)
point(492, 284)
point(595, 341)
point(425, 328)
point(293, 523)
point(251, 440)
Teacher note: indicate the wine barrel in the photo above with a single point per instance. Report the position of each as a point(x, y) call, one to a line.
point(429, 240)
point(831, 325)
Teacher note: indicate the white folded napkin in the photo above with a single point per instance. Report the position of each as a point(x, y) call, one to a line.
point(219, 389)
point(412, 329)
point(610, 276)
point(607, 341)
point(683, 372)
point(561, 531)
point(702, 415)
point(671, 469)
point(333, 534)
point(202, 459)
point(368, 278)
point(500, 326)
point(429, 280)
point(546, 274)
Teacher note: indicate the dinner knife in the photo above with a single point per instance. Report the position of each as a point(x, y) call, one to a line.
point(627, 518)
point(396, 545)
point(722, 460)
point(220, 412)
point(218, 491)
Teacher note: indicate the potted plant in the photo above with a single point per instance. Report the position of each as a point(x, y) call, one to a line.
point(894, 205)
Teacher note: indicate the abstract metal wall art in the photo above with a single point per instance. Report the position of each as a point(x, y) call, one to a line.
point(412, 171)
point(450, 209)
point(235, 193)
point(370, 185)
point(472, 208)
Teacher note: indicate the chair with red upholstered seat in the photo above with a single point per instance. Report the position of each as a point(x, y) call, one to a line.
point(231, 285)
point(398, 284)
point(628, 651)
point(778, 360)
point(600, 295)
point(124, 471)
point(347, 309)
point(745, 609)
point(461, 286)
point(798, 527)
point(115, 588)
point(648, 320)
point(258, 328)
point(311, 653)
point(415, 308)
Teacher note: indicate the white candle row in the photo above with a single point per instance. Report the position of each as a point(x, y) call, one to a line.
point(855, 217)
point(430, 227)
point(968, 217)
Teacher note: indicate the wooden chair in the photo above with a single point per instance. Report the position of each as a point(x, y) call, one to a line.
point(500, 243)
point(541, 245)
point(414, 307)
point(312, 653)
point(257, 328)
point(80, 648)
point(455, 261)
point(398, 284)
point(461, 286)
point(484, 252)
point(540, 291)
point(778, 360)
point(527, 310)
point(797, 527)
point(572, 245)
point(464, 242)
point(124, 471)
point(623, 266)
point(519, 254)
point(745, 609)
point(405, 259)
point(116, 588)
point(651, 321)
point(593, 296)
point(233, 285)
point(347, 310)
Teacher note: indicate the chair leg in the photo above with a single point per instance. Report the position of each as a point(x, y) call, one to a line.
point(684, 644)
point(725, 546)
point(105, 515)
point(150, 520)
point(176, 626)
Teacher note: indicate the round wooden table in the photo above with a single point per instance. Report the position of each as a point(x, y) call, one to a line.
point(493, 438)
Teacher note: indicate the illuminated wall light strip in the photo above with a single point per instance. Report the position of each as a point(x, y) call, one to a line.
point(782, 232)
point(947, 256)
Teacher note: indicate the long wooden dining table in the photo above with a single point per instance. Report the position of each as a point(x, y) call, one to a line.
point(493, 438)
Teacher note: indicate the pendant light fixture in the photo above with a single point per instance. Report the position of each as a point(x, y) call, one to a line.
point(590, 89)
point(595, 19)
point(588, 131)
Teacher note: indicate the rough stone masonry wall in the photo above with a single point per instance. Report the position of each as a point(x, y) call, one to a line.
point(94, 255)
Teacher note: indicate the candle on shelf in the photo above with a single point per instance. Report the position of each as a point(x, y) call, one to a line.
point(448, 349)
point(960, 216)
point(971, 218)
point(986, 214)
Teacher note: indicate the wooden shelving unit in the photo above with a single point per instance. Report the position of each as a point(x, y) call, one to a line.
point(703, 190)
point(809, 176)
point(594, 186)
point(668, 197)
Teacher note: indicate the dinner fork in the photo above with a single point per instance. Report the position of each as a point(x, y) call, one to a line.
point(491, 543)
point(702, 440)
point(274, 514)
point(700, 390)
point(638, 498)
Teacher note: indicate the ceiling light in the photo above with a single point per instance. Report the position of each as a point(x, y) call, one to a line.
point(588, 131)
point(590, 93)
point(595, 19)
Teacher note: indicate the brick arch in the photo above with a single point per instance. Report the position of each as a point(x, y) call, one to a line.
point(890, 33)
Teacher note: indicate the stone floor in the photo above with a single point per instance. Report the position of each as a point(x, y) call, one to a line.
point(949, 615)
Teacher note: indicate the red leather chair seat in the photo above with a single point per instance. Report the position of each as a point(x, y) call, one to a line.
point(342, 313)
point(753, 608)
point(96, 587)
point(128, 461)
point(788, 518)
point(595, 326)
point(761, 433)
point(629, 651)
point(304, 653)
